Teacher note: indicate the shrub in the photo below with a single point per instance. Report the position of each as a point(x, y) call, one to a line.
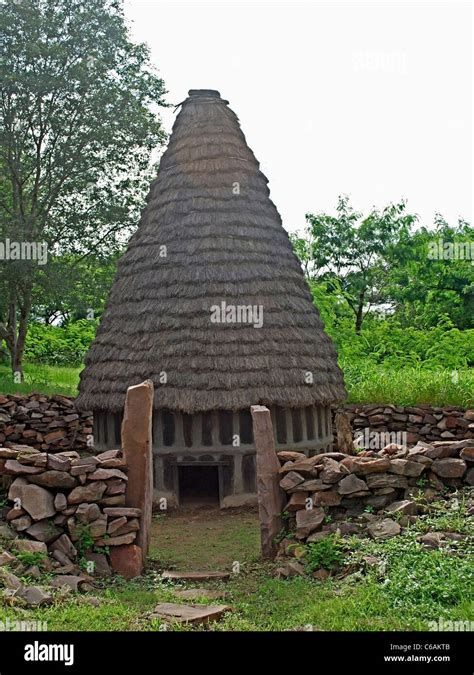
point(31, 558)
point(59, 345)
point(85, 540)
point(327, 553)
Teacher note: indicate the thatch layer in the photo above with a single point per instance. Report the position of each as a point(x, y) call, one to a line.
point(210, 234)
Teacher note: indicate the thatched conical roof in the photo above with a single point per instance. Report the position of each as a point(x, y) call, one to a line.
point(224, 242)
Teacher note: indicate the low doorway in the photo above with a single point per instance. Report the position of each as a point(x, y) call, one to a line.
point(198, 485)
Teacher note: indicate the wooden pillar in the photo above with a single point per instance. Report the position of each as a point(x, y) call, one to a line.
point(215, 428)
point(273, 413)
point(136, 445)
point(304, 426)
point(158, 471)
point(178, 430)
point(317, 423)
point(236, 427)
point(157, 430)
point(197, 430)
point(110, 422)
point(238, 483)
point(289, 426)
point(271, 498)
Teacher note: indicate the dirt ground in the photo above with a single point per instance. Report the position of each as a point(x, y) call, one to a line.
point(205, 538)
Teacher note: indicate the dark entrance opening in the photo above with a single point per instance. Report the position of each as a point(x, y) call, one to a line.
point(198, 484)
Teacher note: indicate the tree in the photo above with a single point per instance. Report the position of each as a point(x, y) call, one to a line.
point(73, 288)
point(78, 122)
point(432, 276)
point(351, 253)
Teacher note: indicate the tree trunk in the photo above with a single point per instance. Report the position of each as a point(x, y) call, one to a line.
point(360, 313)
point(17, 328)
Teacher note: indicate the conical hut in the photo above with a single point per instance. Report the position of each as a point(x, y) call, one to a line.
point(211, 304)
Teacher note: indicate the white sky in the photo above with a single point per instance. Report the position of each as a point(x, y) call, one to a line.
point(371, 99)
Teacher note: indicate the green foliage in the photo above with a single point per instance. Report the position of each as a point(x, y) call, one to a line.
point(423, 286)
point(448, 515)
point(85, 540)
point(78, 125)
point(104, 550)
point(385, 342)
point(60, 345)
point(420, 582)
point(353, 252)
point(327, 553)
point(413, 338)
point(379, 265)
point(73, 287)
point(30, 557)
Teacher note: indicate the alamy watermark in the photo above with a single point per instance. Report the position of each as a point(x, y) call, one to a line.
point(224, 313)
point(7, 625)
point(438, 249)
point(24, 250)
point(37, 651)
point(377, 440)
point(386, 62)
point(450, 626)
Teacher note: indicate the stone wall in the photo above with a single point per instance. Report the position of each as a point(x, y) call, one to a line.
point(69, 505)
point(421, 423)
point(46, 423)
point(325, 491)
point(52, 424)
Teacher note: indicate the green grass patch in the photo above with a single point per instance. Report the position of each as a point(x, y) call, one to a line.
point(409, 385)
point(42, 379)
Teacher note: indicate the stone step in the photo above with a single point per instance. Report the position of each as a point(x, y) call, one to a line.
point(174, 613)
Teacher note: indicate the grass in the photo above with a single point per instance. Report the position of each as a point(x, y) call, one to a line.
point(365, 383)
point(218, 538)
point(42, 379)
point(259, 603)
point(410, 586)
point(408, 385)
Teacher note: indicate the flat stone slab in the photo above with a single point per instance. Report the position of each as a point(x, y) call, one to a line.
point(195, 576)
point(174, 613)
point(70, 580)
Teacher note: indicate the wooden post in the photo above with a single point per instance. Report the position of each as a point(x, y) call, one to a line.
point(271, 498)
point(137, 450)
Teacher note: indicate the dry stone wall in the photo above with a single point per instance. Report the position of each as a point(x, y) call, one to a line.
point(325, 492)
point(69, 505)
point(45, 423)
point(371, 423)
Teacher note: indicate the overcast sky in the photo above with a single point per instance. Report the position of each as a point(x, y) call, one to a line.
point(370, 99)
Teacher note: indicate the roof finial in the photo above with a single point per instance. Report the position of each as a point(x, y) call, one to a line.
point(206, 93)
